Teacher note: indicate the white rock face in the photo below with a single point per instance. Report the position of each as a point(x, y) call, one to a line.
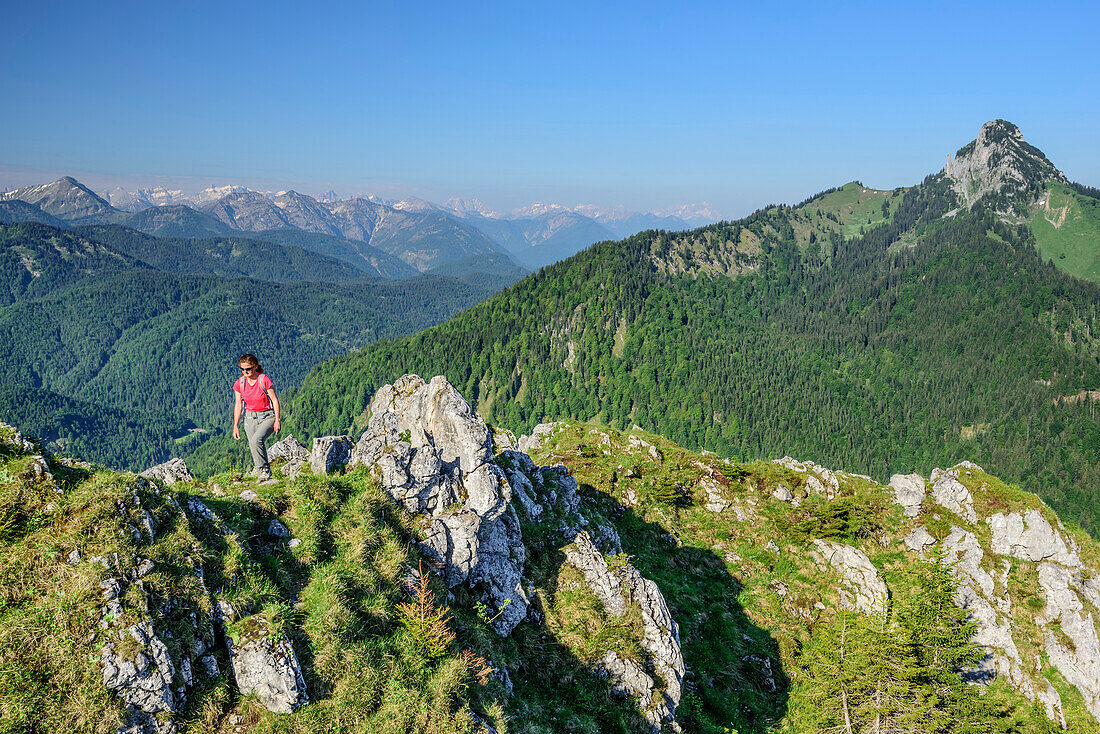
point(952, 495)
point(617, 588)
point(1081, 664)
point(819, 480)
point(716, 502)
point(908, 492)
point(861, 588)
point(1030, 537)
point(268, 668)
point(433, 454)
point(607, 586)
point(963, 551)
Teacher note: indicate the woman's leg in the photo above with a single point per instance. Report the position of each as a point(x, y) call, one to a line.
point(257, 429)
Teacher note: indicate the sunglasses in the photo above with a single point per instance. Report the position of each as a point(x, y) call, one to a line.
point(248, 369)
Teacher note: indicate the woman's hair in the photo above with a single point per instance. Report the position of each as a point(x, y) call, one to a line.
point(251, 361)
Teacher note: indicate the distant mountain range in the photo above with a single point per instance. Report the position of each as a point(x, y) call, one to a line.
point(422, 234)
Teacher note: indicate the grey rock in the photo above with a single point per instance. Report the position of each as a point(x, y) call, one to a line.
point(330, 453)
point(628, 678)
point(140, 722)
point(539, 434)
point(908, 492)
point(249, 495)
point(294, 543)
point(40, 469)
point(170, 472)
point(1080, 666)
point(953, 495)
point(145, 681)
point(267, 668)
point(277, 530)
point(607, 586)
point(616, 588)
point(607, 539)
point(783, 493)
point(995, 163)
point(289, 449)
point(210, 666)
point(963, 551)
point(1029, 537)
point(16, 439)
point(715, 501)
point(73, 558)
point(293, 468)
point(111, 589)
point(661, 641)
point(814, 486)
point(862, 589)
point(919, 539)
point(432, 453)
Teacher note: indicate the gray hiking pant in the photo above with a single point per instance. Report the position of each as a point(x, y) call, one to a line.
point(257, 427)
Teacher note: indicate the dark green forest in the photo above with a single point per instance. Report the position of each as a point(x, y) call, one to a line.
point(877, 353)
point(233, 257)
point(140, 354)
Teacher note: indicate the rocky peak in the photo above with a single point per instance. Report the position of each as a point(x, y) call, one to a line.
point(1000, 165)
point(65, 198)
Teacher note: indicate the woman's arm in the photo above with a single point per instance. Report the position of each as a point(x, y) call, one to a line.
point(237, 404)
point(275, 404)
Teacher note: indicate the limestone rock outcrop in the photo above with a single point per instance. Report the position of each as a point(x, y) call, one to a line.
point(433, 454)
point(1030, 537)
point(999, 161)
point(330, 453)
point(862, 589)
point(952, 494)
point(141, 676)
point(908, 492)
point(266, 666)
point(1078, 662)
point(656, 682)
point(170, 472)
point(293, 452)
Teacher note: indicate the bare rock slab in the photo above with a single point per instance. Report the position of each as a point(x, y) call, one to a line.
point(267, 667)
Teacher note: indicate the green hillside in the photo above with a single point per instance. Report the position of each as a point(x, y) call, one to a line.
point(769, 642)
point(739, 339)
point(1067, 231)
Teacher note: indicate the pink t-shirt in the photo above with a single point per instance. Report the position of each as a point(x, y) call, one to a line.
point(255, 396)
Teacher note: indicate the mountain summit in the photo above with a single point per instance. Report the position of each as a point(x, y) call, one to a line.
point(66, 198)
point(1000, 164)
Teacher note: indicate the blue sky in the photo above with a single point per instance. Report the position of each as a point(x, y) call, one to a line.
point(642, 104)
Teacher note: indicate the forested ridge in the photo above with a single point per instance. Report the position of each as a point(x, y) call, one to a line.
point(923, 341)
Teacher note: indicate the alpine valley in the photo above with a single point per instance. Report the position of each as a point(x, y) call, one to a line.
point(562, 509)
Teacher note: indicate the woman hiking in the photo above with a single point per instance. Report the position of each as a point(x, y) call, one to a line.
point(255, 398)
